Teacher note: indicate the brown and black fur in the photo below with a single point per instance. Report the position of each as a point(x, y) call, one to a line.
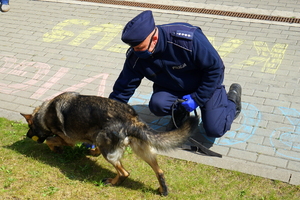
point(110, 125)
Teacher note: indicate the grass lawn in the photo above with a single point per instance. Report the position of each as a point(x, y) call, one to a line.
point(29, 170)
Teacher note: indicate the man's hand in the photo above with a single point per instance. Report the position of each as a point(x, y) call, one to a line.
point(189, 104)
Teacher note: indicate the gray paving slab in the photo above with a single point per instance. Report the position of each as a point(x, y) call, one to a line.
point(45, 51)
point(283, 8)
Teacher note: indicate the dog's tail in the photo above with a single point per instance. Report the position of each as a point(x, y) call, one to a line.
point(167, 140)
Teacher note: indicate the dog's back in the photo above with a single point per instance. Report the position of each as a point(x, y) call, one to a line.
point(84, 118)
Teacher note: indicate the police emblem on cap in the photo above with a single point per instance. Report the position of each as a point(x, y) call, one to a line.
point(137, 29)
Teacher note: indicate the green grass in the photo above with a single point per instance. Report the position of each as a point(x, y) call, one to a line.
point(29, 170)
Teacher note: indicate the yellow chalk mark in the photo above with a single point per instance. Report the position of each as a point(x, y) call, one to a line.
point(228, 47)
point(110, 32)
point(274, 58)
point(271, 58)
point(119, 48)
point(58, 33)
point(85, 35)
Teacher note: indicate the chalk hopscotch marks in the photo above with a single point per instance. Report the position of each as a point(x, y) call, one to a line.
point(34, 74)
point(286, 140)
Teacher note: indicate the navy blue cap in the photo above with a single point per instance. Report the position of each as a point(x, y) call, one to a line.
point(137, 30)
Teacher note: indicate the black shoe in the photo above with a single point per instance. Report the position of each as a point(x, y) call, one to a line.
point(179, 117)
point(234, 94)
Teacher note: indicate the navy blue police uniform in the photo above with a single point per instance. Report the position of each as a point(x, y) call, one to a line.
point(183, 62)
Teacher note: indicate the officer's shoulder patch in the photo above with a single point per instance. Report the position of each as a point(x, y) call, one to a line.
point(183, 34)
point(129, 52)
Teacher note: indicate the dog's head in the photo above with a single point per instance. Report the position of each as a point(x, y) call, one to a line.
point(36, 132)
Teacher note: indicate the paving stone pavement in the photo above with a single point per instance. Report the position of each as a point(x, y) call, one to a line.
point(47, 47)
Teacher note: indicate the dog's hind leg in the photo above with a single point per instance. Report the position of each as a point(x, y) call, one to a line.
point(115, 159)
point(144, 151)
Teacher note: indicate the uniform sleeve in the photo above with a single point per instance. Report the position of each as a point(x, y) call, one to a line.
point(126, 84)
point(212, 68)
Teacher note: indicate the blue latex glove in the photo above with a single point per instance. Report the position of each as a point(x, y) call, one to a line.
point(189, 104)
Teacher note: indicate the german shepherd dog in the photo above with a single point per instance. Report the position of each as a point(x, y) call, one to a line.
point(109, 125)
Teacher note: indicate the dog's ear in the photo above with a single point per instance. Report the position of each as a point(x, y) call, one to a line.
point(28, 118)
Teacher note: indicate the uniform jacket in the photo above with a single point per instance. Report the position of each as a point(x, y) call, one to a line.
point(183, 61)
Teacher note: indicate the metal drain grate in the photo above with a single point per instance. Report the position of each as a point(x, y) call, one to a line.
point(199, 10)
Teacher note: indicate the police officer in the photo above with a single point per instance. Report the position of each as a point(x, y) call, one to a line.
point(182, 64)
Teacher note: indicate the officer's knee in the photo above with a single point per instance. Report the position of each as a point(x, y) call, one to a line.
point(217, 127)
point(157, 109)
point(213, 130)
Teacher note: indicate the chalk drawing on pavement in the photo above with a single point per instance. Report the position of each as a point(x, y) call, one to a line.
point(286, 140)
point(269, 59)
point(58, 32)
point(250, 121)
point(108, 32)
point(34, 74)
point(227, 47)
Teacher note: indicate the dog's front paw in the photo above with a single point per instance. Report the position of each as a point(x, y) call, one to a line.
point(107, 181)
point(163, 192)
point(114, 181)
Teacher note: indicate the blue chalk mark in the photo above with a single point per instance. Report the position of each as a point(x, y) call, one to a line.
point(287, 137)
point(251, 119)
point(134, 100)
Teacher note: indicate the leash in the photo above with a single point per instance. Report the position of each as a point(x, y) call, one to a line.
point(175, 103)
point(203, 148)
point(198, 145)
